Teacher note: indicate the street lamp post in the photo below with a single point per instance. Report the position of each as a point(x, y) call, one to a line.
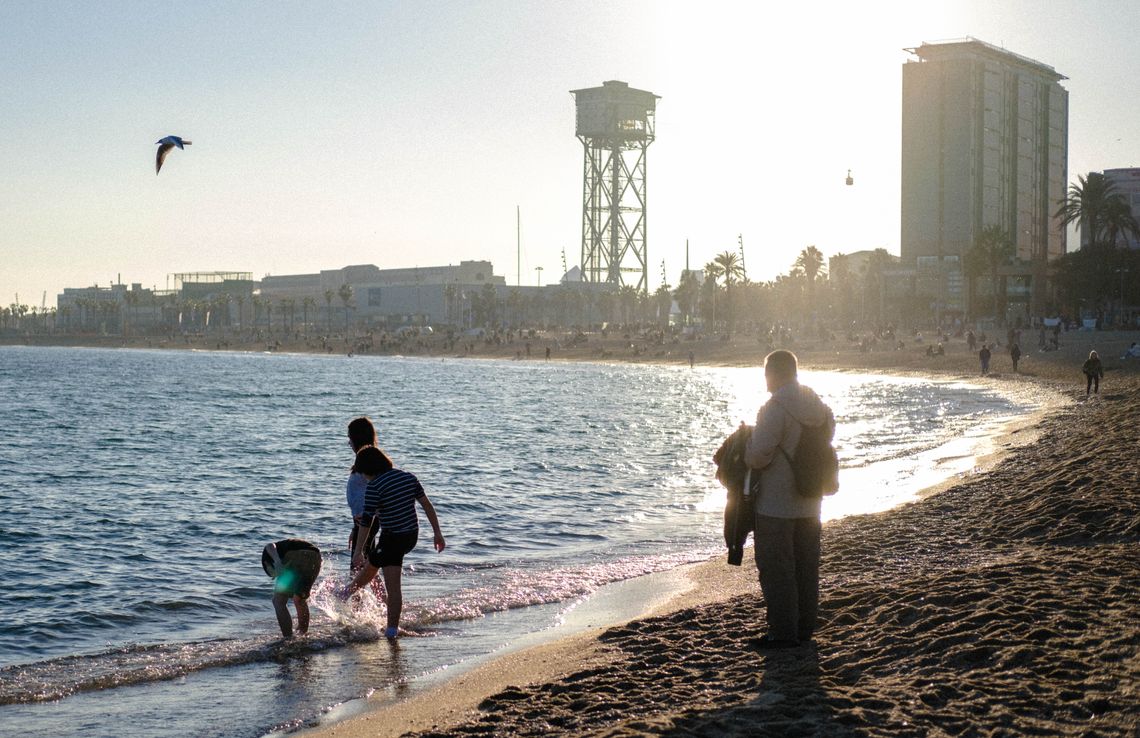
point(538, 276)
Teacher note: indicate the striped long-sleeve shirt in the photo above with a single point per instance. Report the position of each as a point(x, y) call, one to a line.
point(392, 497)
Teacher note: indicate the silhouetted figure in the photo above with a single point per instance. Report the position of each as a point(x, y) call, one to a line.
point(787, 527)
point(984, 358)
point(1015, 355)
point(1093, 372)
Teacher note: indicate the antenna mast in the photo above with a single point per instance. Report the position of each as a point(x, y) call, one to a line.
point(743, 269)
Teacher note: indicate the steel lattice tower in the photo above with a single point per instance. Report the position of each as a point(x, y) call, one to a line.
point(615, 126)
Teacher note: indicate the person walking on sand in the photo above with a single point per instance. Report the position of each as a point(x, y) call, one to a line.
point(984, 358)
point(390, 497)
point(1093, 372)
point(1015, 355)
point(787, 526)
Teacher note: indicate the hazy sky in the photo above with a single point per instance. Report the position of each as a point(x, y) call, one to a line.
point(403, 134)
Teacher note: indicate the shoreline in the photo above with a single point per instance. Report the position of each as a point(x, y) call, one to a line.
point(447, 700)
point(1061, 365)
point(1004, 603)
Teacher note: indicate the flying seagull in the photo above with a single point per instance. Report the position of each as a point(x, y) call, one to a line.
point(164, 147)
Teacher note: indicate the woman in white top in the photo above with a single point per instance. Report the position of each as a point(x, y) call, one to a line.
point(361, 433)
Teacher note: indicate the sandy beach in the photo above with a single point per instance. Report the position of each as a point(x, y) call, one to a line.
point(1006, 604)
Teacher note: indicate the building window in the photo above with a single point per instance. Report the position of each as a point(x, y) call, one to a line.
point(373, 297)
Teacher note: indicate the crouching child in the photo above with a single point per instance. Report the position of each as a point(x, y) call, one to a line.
point(293, 565)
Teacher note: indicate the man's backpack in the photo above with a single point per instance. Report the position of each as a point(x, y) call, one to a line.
point(815, 464)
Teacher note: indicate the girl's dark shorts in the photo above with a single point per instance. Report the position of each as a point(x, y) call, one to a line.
point(391, 547)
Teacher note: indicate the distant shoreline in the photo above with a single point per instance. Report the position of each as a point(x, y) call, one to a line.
point(1062, 365)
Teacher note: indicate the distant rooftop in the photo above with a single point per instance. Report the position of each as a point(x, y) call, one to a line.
point(952, 47)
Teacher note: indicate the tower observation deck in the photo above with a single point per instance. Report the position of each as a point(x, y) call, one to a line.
point(615, 125)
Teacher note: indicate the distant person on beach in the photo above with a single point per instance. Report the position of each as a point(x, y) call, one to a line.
point(984, 358)
point(1014, 355)
point(390, 498)
point(293, 565)
point(787, 527)
point(1093, 372)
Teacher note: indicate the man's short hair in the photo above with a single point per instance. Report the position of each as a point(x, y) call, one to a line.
point(781, 364)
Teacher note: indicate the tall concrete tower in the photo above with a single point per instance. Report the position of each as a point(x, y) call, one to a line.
point(615, 125)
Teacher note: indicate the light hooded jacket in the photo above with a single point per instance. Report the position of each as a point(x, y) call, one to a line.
point(776, 428)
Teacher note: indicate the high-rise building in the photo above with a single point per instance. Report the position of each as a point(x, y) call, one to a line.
point(984, 142)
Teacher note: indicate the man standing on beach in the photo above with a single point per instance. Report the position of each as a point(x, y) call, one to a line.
point(787, 529)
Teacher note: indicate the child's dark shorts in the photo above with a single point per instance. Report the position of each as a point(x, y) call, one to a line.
point(391, 547)
point(300, 571)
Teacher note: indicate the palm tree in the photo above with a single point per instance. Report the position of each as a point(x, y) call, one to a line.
point(1087, 204)
point(256, 304)
point(306, 304)
point(627, 301)
point(329, 294)
point(810, 263)
point(1118, 221)
point(663, 299)
point(728, 266)
point(240, 299)
point(686, 295)
point(839, 277)
point(132, 299)
point(995, 248)
point(283, 303)
point(345, 294)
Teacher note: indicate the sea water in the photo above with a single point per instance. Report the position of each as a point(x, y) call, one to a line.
point(137, 489)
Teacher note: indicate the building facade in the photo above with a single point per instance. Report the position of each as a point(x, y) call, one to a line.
point(1126, 183)
point(984, 143)
point(384, 297)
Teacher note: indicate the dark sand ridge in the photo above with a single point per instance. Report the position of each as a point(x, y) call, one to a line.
point(1004, 605)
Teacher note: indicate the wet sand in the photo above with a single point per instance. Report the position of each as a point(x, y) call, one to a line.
point(1007, 604)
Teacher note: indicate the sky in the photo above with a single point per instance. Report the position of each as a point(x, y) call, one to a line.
point(406, 134)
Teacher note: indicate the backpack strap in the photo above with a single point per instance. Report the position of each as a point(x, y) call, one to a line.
point(791, 415)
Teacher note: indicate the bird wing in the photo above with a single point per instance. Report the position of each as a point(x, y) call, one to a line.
point(163, 150)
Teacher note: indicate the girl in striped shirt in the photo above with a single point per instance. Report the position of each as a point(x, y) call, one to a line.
point(390, 497)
